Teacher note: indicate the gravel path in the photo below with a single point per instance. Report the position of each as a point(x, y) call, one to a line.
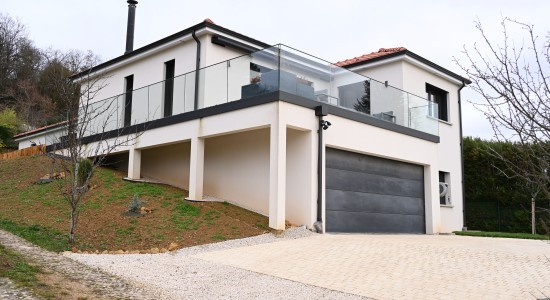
point(179, 275)
point(100, 284)
point(9, 291)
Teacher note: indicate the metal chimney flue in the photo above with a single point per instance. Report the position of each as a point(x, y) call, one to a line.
point(131, 24)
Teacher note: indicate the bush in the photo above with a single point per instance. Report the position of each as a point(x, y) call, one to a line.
point(85, 167)
point(135, 205)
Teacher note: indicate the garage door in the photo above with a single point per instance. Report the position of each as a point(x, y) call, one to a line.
point(371, 194)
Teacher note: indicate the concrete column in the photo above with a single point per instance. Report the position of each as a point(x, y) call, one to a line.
point(277, 175)
point(134, 164)
point(196, 171)
point(433, 211)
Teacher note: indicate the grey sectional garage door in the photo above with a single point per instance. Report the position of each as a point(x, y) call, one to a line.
point(372, 194)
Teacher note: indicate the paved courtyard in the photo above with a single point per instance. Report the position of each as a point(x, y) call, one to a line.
point(403, 266)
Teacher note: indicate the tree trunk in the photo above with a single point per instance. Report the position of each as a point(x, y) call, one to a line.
point(72, 226)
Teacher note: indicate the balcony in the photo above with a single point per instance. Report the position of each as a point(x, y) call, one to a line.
point(278, 68)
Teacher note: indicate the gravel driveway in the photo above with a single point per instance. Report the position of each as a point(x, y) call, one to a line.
point(181, 275)
point(303, 265)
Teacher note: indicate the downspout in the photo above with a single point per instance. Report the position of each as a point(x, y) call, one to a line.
point(464, 227)
point(197, 68)
point(320, 111)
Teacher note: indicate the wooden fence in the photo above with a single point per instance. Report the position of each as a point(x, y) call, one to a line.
point(34, 150)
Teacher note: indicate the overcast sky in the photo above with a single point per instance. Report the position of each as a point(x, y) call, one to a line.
point(331, 29)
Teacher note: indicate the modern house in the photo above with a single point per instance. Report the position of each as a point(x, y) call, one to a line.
point(369, 144)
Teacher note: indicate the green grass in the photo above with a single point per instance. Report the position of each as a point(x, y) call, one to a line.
point(46, 238)
point(14, 267)
point(185, 209)
point(504, 235)
point(218, 236)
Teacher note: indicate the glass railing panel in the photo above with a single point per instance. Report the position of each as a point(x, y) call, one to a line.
point(178, 104)
point(388, 104)
point(278, 68)
point(423, 115)
point(140, 106)
point(189, 91)
point(109, 113)
point(262, 68)
point(213, 90)
point(155, 103)
point(306, 76)
point(98, 117)
point(241, 80)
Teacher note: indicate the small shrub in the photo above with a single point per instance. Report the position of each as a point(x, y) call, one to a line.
point(135, 205)
point(85, 167)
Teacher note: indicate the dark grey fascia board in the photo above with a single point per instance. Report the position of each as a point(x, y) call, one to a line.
point(231, 43)
point(358, 117)
point(255, 101)
point(168, 39)
point(415, 56)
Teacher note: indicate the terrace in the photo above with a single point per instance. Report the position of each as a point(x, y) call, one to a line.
point(278, 69)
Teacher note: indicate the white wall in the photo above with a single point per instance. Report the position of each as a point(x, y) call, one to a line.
point(169, 164)
point(301, 175)
point(448, 152)
point(391, 72)
point(48, 137)
point(236, 168)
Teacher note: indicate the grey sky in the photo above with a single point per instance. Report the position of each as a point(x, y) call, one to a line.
point(331, 29)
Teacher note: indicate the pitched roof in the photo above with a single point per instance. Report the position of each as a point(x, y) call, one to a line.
point(207, 23)
point(385, 53)
point(37, 130)
point(366, 57)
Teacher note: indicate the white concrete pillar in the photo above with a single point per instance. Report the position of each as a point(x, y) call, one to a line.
point(277, 175)
point(134, 164)
point(196, 170)
point(431, 187)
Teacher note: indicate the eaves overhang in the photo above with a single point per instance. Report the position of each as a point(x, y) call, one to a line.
point(413, 58)
point(169, 41)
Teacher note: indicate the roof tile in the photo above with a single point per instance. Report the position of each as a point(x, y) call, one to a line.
point(367, 57)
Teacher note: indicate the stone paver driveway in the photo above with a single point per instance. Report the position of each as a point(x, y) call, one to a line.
point(404, 266)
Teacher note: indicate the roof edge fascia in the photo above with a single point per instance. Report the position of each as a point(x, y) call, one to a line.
point(165, 43)
point(412, 60)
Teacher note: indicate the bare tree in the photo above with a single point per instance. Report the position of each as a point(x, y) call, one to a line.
point(513, 79)
point(20, 65)
point(93, 129)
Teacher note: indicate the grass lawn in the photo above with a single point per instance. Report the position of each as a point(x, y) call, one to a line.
point(504, 235)
point(14, 267)
point(40, 213)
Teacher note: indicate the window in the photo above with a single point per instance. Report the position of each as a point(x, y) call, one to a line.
point(128, 88)
point(168, 87)
point(444, 188)
point(439, 96)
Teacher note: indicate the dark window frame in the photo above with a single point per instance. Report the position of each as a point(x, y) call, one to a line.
point(128, 89)
point(169, 73)
point(441, 97)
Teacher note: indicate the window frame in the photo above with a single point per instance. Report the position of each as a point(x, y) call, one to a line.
point(441, 97)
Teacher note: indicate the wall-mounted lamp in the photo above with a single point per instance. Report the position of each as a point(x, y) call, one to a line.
point(325, 124)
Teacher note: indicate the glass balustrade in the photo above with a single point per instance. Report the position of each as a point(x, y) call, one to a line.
point(277, 68)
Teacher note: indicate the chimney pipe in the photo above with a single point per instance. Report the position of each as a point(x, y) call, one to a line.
point(131, 24)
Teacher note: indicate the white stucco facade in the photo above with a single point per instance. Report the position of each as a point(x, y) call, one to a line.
point(412, 76)
point(263, 157)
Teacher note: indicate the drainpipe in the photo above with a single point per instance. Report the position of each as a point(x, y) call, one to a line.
point(197, 68)
point(320, 111)
point(464, 227)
